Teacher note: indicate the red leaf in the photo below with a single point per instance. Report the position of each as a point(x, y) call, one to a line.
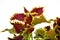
point(58, 21)
point(29, 30)
point(58, 37)
point(18, 27)
point(20, 37)
point(54, 24)
point(18, 17)
point(25, 10)
point(47, 28)
point(37, 10)
point(28, 19)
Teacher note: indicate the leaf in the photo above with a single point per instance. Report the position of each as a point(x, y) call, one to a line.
point(25, 10)
point(50, 34)
point(40, 33)
point(39, 10)
point(39, 20)
point(18, 16)
point(12, 31)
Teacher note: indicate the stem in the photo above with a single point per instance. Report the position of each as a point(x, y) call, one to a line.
point(30, 36)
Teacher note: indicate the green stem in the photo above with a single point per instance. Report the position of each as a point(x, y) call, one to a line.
point(30, 36)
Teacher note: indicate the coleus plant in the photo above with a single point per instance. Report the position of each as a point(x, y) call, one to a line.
point(26, 21)
point(23, 24)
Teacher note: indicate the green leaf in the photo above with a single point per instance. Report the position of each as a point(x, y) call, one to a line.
point(50, 34)
point(40, 33)
point(39, 20)
point(12, 31)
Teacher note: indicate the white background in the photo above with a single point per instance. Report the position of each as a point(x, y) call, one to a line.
point(9, 7)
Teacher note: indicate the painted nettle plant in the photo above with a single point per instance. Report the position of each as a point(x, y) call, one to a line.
point(23, 25)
